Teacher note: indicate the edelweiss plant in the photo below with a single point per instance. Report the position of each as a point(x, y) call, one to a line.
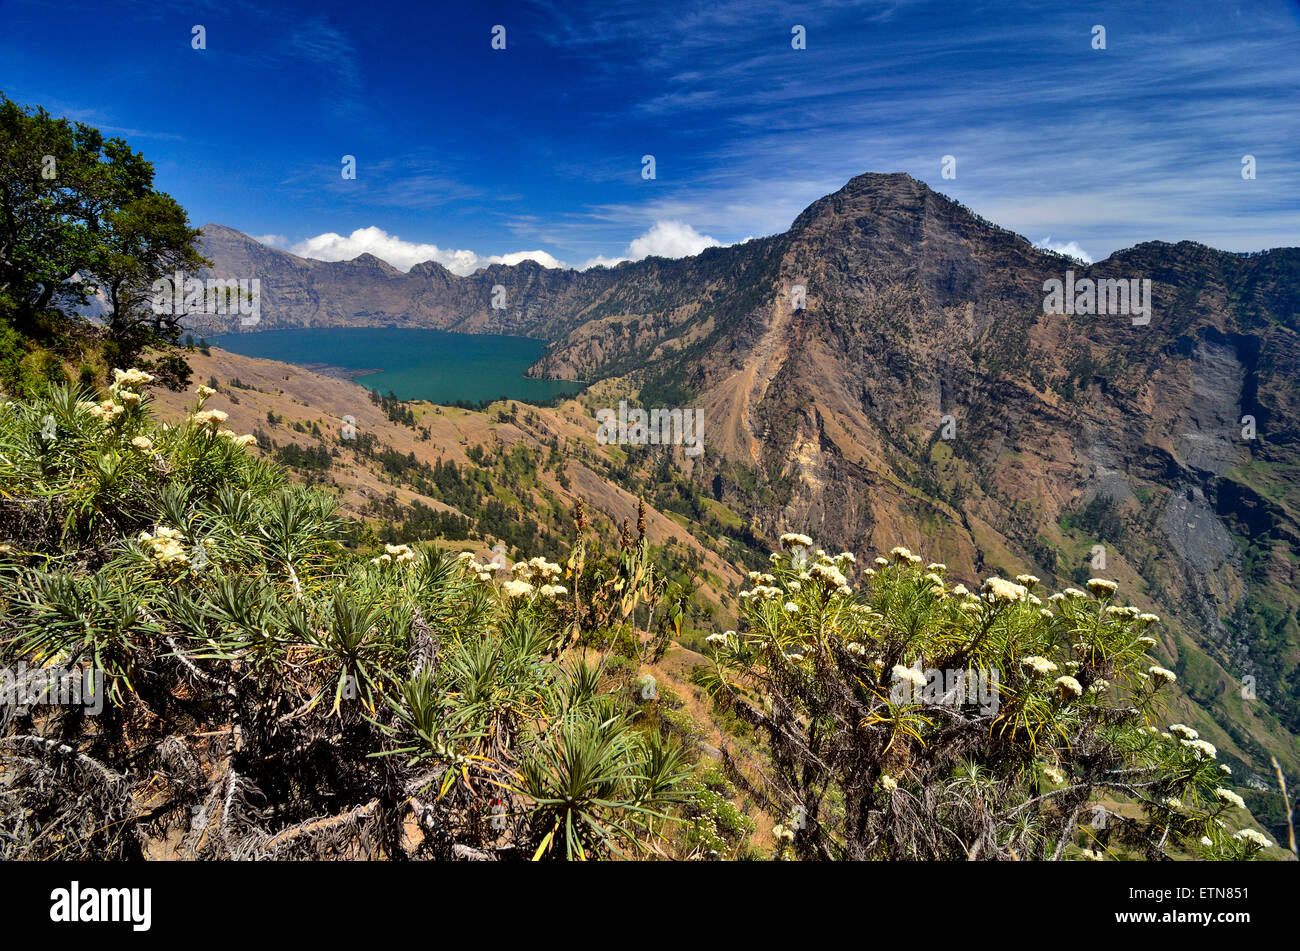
point(875, 753)
point(270, 694)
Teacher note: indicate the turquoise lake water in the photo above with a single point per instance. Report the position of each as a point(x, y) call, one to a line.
point(415, 364)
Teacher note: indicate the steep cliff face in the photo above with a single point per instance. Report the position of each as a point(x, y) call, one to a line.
point(922, 395)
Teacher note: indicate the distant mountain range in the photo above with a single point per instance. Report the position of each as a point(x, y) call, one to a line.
point(922, 395)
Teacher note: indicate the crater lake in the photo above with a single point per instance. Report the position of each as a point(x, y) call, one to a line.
point(412, 363)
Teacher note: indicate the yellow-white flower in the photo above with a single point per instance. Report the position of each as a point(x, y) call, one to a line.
point(210, 417)
point(914, 677)
point(1229, 797)
point(1101, 587)
point(1068, 687)
point(143, 443)
point(1202, 748)
point(1252, 837)
point(1039, 665)
point(1001, 590)
point(1162, 676)
point(131, 379)
point(517, 589)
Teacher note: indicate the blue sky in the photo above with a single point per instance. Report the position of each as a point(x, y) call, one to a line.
point(465, 152)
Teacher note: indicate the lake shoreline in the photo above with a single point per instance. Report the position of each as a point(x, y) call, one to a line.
point(437, 366)
point(338, 373)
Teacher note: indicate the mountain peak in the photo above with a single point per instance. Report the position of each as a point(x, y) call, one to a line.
point(366, 259)
point(869, 194)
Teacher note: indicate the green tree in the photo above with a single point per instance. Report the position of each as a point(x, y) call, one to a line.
point(79, 216)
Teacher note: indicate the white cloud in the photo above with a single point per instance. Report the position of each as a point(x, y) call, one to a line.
point(404, 255)
point(271, 240)
point(601, 261)
point(670, 239)
point(514, 257)
point(1071, 248)
point(667, 239)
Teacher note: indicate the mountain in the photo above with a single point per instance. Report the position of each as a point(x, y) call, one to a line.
point(922, 395)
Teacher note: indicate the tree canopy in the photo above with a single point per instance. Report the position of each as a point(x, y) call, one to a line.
point(80, 218)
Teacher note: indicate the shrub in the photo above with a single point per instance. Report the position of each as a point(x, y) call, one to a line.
point(267, 694)
point(864, 698)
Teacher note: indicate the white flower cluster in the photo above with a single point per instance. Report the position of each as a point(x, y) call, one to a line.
point(1253, 838)
point(165, 545)
point(1068, 687)
point(536, 569)
point(106, 412)
point(915, 677)
point(129, 381)
point(210, 418)
point(1101, 587)
point(1201, 748)
point(1229, 797)
point(395, 553)
point(999, 590)
point(534, 576)
point(1162, 676)
point(901, 554)
point(828, 574)
point(245, 440)
point(1039, 665)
